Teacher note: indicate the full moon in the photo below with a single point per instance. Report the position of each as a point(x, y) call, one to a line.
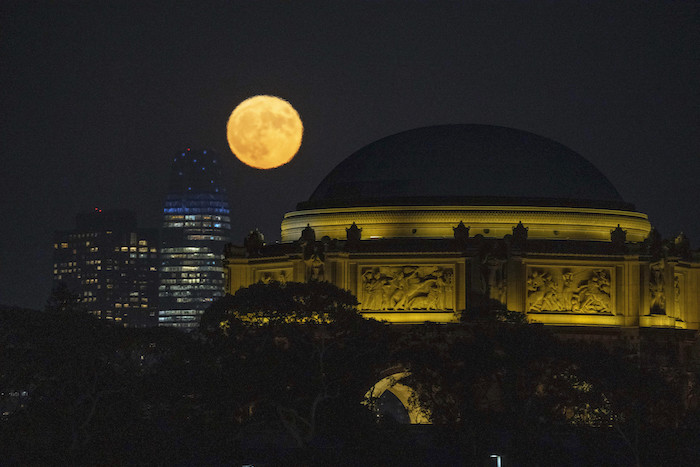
point(264, 132)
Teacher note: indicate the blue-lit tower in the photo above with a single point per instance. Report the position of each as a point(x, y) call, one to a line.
point(196, 226)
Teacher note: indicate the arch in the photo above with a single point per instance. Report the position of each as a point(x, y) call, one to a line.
point(417, 415)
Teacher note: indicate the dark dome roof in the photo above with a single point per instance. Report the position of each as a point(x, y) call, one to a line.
point(465, 164)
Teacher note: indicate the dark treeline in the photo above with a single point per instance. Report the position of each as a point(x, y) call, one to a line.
point(254, 386)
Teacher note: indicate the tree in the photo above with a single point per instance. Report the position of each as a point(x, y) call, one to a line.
point(497, 381)
point(62, 300)
point(291, 302)
point(305, 356)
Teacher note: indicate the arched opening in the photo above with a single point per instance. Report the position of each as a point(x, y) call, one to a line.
point(391, 398)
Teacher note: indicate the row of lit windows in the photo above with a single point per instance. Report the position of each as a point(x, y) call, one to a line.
point(181, 281)
point(196, 217)
point(83, 235)
point(190, 268)
point(189, 261)
point(181, 278)
point(179, 312)
point(127, 305)
point(200, 225)
point(184, 293)
point(209, 286)
point(134, 249)
point(207, 237)
point(171, 324)
point(223, 212)
point(187, 249)
point(195, 207)
point(189, 299)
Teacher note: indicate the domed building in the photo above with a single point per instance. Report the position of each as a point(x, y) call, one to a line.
point(427, 223)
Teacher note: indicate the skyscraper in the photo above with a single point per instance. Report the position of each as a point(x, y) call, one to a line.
point(196, 226)
point(111, 265)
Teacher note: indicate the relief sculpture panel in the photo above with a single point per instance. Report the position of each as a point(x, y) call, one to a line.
point(567, 289)
point(407, 288)
point(279, 275)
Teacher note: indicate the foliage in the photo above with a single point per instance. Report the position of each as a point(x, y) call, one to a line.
point(76, 390)
point(319, 356)
point(62, 300)
point(493, 379)
point(291, 302)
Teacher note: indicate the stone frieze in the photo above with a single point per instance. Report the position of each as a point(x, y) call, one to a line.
point(569, 289)
point(406, 288)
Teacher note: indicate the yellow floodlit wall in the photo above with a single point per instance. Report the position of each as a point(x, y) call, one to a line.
point(490, 221)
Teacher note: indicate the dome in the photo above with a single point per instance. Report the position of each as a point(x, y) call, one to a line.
point(422, 183)
point(465, 165)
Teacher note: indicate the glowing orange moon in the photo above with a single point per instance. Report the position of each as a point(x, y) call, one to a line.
point(264, 132)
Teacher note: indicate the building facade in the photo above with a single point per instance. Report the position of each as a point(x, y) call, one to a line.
point(425, 224)
point(112, 265)
point(196, 226)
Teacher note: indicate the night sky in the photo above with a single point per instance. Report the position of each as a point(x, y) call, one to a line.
point(97, 97)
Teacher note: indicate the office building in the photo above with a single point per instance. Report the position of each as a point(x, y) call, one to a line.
point(111, 265)
point(196, 226)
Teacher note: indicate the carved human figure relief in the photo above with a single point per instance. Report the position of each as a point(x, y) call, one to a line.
point(495, 279)
point(279, 275)
point(315, 268)
point(577, 290)
point(406, 288)
point(677, 296)
point(657, 303)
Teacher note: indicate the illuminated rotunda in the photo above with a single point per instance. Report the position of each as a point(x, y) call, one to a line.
point(426, 223)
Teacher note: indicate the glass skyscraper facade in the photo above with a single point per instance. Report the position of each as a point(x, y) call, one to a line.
point(196, 226)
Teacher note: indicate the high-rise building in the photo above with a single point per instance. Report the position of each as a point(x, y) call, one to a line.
point(111, 265)
point(196, 226)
